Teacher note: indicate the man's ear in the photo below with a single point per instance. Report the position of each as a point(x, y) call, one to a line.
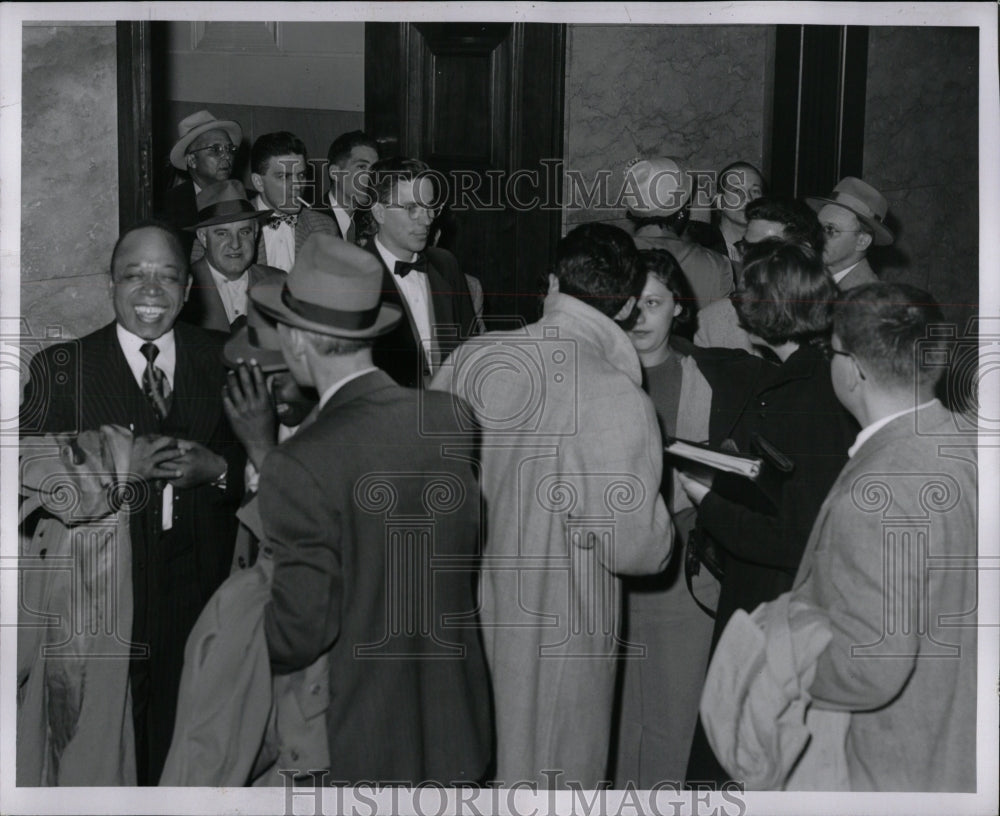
point(201, 233)
point(677, 309)
point(378, 212)
point(864, 241)
point(187, 289)
point(190, 160)
point(258, 182)
point(626, 310)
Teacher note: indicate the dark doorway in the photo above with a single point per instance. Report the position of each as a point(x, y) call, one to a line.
point(483, 105)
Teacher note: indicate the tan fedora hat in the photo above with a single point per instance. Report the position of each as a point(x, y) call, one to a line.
point(656, 187)
point(867, 203)
point(223, 203)
point(191, 127)
point(334, 288)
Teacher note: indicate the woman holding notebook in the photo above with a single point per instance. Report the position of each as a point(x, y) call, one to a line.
point(789, 416)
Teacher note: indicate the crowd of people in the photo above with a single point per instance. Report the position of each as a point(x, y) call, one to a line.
point(330, 531)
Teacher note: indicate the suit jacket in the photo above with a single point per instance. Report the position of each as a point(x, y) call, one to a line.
point(891, 561)
point(375, 536)
point(861, 274)
point(308, 222)
point(180, 208)
point(84, 384)
point(204, 306)
point(793, 407)
point(453, 319)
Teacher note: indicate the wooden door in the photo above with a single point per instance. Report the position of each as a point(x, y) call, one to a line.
point(481, 103)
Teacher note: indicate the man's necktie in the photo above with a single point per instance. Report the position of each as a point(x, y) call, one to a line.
point(403, 268)
point(154, 382)
point(279, 218)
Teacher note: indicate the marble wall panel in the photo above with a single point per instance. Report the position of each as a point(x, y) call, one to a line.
point(696, 92)
point(921, 151)
point(69, 168)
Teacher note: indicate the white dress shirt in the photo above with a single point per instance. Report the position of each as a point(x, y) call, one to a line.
point(166, 361)
point(232, 292)
point(342, 216)
point(416, 291)
point(279, 242)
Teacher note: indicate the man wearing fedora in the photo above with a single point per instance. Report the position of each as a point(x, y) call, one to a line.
point(375, 534)
point(205, 149)
point(657, 197)
point(278, 165)
point(227, 226)
point(163, 379)
point(425, 282)
point(852, 221)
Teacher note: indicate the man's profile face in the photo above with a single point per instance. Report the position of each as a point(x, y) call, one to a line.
point(230, 247)
point(149, 282)
point(281, 183)
point(405, 221)
point(737, 188)
point(842, 230)
point(353, 174)
point(203, 164)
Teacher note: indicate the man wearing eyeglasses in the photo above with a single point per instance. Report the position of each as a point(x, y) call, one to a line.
point(852, 222)
point(206, 149)
point(425, 281)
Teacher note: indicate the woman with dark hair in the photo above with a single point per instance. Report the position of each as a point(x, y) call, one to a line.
point(791, 416)
point(661, 688)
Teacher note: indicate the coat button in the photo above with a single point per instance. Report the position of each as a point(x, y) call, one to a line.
point(315, 688)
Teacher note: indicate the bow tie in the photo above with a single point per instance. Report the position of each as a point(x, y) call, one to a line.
point(403, 268)
point(279, 218)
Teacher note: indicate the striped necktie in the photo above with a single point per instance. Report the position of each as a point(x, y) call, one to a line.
point(154, 382)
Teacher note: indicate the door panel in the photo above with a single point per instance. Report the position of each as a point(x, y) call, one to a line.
point(455, 95)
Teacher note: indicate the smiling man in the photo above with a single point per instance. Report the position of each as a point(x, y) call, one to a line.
point(228, 226)
point(425, 281)
point(279, 175)
point(163, 380)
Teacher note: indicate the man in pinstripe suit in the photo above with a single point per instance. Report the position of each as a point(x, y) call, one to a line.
point(163, 380)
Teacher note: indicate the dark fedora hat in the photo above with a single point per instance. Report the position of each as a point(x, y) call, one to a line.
point(334, 288)
point(258, 339)
point(223, 203)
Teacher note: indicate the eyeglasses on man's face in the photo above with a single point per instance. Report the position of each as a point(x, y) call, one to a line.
point(217, 150)
point(830, 231)
point(415, 210)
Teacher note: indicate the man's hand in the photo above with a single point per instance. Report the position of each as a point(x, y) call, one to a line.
point(196, 465)
point(696, 489)
point(250, 412)
point(153, 457)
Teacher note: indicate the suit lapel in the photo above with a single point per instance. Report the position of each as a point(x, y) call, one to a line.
point(195, 383)
point(115, 390)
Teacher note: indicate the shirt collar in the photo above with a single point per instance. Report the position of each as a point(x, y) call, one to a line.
point(222, 279)
point(839, 276)
point(131, 345)
point(327, 395)
point(870, 430)
point(390, 258)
